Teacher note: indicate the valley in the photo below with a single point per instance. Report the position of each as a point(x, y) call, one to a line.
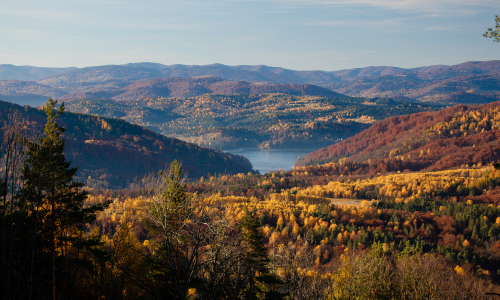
point(266, 121)
point(250, 150)
point(380, 184)
point(112, 153)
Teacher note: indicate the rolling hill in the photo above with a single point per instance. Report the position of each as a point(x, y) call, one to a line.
point(472, 88)
point(196, 86)
point(470, 82)
point(449, 138)
point(11, 72)
point(112, 153)
point(36, 93)
point(252, 120)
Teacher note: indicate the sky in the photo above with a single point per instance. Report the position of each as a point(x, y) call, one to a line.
point(295, 34)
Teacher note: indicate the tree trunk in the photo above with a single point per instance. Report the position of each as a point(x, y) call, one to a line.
point(53, 244)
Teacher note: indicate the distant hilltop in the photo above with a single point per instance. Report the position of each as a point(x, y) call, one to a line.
point(141, 71)
point(470, 82)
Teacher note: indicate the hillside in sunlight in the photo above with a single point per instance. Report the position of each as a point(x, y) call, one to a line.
point(112, 153)
point(449, 138)
point(252, 120)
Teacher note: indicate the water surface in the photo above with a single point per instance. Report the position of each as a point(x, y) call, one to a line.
point(266, 160)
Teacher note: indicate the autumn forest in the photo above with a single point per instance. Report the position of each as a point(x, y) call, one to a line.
point(105, 197)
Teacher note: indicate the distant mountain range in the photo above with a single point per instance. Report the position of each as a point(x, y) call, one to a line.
point(470, 82)
point(141, 71)
point(26, 73)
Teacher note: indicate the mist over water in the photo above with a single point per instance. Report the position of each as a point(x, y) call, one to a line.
point(266, 160)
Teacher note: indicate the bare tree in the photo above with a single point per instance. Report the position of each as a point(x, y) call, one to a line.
point(221, 269)
point(196, 246)
point(293, 260)
point(11, 161)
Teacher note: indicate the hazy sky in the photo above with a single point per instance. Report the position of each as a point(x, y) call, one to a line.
point(295, 34)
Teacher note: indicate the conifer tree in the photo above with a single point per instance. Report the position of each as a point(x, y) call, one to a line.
point(56, 200)
point(256, 261)
point(168, 218)
point(494, 33)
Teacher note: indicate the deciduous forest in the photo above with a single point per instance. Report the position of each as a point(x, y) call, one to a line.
point(125, 190)
point(345, 229)
point(253, 120)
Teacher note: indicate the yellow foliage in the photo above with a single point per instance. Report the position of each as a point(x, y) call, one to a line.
point(192, 294)
point(459, 270)
point(295, 229)
point(284, 233)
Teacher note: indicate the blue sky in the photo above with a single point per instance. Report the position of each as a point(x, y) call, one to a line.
point(296, 34)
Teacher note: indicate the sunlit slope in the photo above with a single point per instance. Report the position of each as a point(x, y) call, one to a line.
point(253, 120)
point(439, 140)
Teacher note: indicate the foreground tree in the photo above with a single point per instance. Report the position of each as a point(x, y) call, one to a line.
point(259, 278)
point(168, 219)
point(494, 33)
point(196, 249)
point(56, 205)
point(11, 210)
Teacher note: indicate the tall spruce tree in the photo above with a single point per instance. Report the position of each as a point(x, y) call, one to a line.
point(259, 278)
point(56, 200)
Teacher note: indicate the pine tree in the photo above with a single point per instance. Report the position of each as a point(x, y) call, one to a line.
point(256, 260)
point(56, 199)
point(168, 220)
point(494, 33)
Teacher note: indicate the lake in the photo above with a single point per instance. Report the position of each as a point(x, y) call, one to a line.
point(266, 160)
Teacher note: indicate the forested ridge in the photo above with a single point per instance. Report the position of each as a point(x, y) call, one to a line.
point(196, 86)
point(440, 140)
point(252, 120)
point(469, 82)
point(427, 88)
point(112, 153)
